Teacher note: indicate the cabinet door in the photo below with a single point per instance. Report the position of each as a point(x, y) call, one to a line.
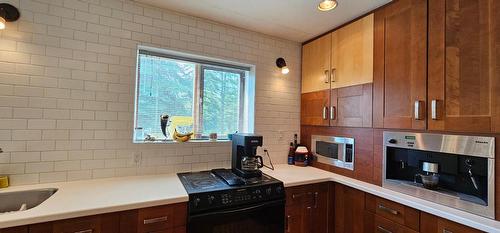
point(314, 108)
point(319, 209)
point(354, 106)
point(349, 210)
point(400, 70)
point(464, 65)
point(316, 65)
point(352, 53)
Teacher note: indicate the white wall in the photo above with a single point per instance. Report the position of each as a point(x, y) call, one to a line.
point(67, 70)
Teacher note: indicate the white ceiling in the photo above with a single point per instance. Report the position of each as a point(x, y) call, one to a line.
point(296, 20)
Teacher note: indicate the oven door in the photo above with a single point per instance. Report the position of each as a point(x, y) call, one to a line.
point(267, 217)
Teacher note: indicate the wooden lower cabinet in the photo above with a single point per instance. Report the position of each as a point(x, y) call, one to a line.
point(307, 208)
point(349, 210)
point(158, 219)
point(433, 224)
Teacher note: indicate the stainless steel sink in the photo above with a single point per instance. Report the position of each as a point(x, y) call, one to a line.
point(24, 200)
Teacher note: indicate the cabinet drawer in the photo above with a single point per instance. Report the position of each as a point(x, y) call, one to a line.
point(446, 226)
point(161, 218)
point(22, 229)
point(393, 211)
point(298, 195)
point(383, 225)
point(78, 225)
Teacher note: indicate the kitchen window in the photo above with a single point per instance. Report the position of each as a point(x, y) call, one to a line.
point(199, 94)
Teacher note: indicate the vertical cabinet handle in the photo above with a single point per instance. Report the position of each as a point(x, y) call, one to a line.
point(333, 113)
point(315, 200)
point(325, 113)
point(434, 114)
point(334, 75)
point(288, 223)
point(383, 230)
point(327, 76)
point(418, 110)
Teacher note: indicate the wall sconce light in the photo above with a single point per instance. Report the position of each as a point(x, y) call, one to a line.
point(280, 63)
point(8, 13)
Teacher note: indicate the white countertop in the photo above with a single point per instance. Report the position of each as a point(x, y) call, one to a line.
point(90, 197)
point(293, 176)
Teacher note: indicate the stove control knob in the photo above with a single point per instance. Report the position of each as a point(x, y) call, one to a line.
point(211, 199)
point(279, 189)
point(257, 191)
point(392, 141)
point(268, 191)
point(196, 201)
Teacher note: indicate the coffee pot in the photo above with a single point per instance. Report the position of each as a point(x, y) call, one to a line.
point(251, 164)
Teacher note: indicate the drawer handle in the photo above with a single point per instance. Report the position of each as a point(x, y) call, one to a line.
point(388, 210)
point(447, 231)
point(383, 230)
point(85, 231)
point(155, 220)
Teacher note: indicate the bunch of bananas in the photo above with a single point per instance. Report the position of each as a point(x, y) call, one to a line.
point(181, 137)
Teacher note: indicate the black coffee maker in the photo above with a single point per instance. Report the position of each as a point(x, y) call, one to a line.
point(245, 161)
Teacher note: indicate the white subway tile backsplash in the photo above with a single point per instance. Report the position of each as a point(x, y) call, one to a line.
point(67, 82)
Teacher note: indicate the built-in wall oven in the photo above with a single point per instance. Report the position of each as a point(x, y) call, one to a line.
point(453, 170)
point(337, 151)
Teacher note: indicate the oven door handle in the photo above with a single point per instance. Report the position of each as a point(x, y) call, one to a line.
point(249, 208)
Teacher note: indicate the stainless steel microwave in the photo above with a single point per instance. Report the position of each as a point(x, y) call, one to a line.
point(336, 151)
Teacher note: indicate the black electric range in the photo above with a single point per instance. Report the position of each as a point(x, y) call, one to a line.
point(222, 202)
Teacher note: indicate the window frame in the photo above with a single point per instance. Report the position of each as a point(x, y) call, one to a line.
point(200, 87)
point(202, 63)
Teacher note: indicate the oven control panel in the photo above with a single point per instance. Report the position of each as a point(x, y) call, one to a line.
point(200, 202)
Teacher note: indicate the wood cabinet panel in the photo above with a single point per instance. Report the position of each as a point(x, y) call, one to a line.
point(352, 53)
point(376, 223)
point(400, 70)
point(403, 215)
point(22, 229)
point(433, 224)
point(349, 209)
point(307, 208)
point(85, 224)
point(354, 106)
point(314, 108)
point(464, 65)
point(316, 65)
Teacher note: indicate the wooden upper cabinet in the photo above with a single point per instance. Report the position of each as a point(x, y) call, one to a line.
point(314, 108)
point(354, 106)
point(316, 65)
point(464, 65)
point(400, 70)
point(352, 54)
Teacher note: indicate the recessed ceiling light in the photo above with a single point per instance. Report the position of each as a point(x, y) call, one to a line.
point(327, 5)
